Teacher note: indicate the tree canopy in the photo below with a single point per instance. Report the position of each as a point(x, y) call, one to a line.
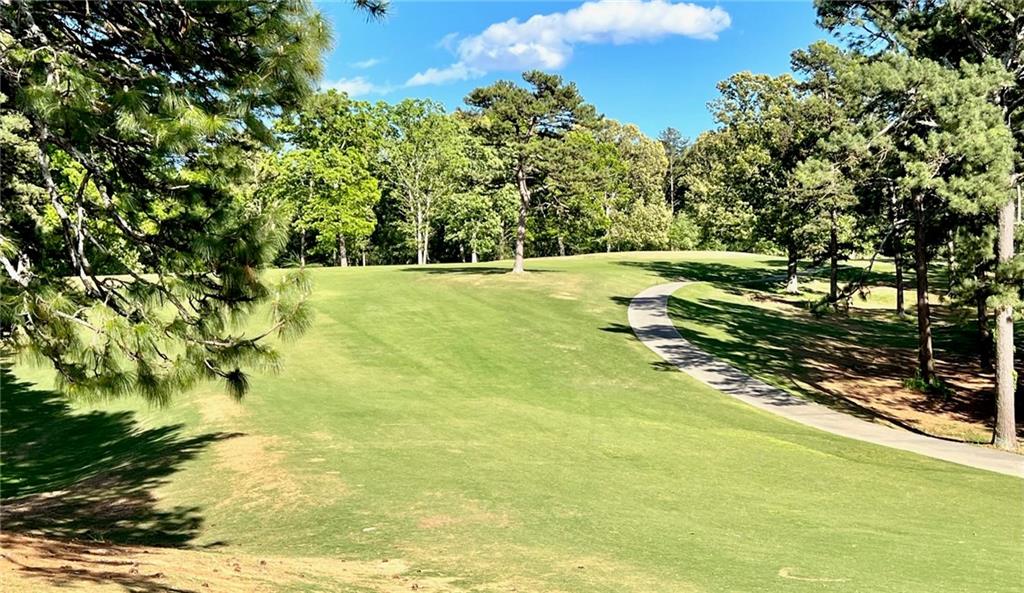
point(127, 259)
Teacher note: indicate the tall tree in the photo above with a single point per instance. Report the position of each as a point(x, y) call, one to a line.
point(644, 219)
point(951, 152)
point(715, 188)
point(138, 118)
point(334, 142)
point(473, 219)
point(836, 162)
point(423, 158)
point(518, 121)
point(675, 145)
point(773, 127)
point(584, 178)
point(974, 31)
point(331, 195)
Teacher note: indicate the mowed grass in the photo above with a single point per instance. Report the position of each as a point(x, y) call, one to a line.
point(510, 434)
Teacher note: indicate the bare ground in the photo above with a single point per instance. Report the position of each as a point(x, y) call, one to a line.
point(29, 564)
point(873, 377)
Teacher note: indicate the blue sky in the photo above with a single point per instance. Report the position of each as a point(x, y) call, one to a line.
point(652, 63)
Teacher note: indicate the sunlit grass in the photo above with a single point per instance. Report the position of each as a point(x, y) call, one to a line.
point(510, 432)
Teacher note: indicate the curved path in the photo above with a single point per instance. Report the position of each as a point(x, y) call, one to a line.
point(648, 316)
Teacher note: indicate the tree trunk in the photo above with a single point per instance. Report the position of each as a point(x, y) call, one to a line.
point(473, 257)
point(792, 284)
point(984, 332)
point(950, 264)
point(424, 231)
point(672, 190)
point(1005, 436)
point(364, 259)
point(426, 244)
point(342, 252)
point(561, 246)
point(608, 232)
point(897, 254)
point(833, 259)
point(420, 257)
point(524, 204)
point(901, 308)
point(302, 245)
point(925, 354)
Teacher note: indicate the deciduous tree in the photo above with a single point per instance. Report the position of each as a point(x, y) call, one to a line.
point(423, 158)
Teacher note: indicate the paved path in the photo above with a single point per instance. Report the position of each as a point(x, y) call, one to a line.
point(648, 315)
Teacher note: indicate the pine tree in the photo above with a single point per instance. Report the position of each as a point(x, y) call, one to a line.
point(140, 120)
point(951, 33)
point(518, 122)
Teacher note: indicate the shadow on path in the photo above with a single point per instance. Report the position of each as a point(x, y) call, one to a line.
point(831, 356)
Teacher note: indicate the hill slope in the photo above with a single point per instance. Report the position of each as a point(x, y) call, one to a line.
point(500, 433)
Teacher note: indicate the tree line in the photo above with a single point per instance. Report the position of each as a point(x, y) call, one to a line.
point(906, 142)
point(520, 170)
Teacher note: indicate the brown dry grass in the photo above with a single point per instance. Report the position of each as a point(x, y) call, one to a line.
point(30, 564)
point(256, 465)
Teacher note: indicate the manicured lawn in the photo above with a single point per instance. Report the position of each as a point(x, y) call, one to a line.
point(509, 433)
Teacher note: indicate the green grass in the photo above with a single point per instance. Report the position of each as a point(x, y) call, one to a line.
point(511, 432)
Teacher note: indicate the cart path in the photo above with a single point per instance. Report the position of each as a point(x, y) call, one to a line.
point(648, 316)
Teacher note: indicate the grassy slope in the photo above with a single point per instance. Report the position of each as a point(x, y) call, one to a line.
point(510, 432)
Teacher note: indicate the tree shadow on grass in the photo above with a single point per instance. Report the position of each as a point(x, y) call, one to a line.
point(855, 360)
point(742, 359)
point(869, 351)
point(90, 476)
point(715, 273)
point(471, 270)
point(767, 272)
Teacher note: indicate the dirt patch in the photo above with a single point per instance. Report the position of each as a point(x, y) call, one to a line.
point(470, 513)
point(218, 409)
point(260, 476)
point(874, 379)
point(846, 358)
point(476, 518)
point(30, 564)
point(257, 465)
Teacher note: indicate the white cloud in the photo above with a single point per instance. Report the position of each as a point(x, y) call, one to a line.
point(546, 40)
point(355, 87)
point(458, 71)
point(448, 41)
point(369, 63)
